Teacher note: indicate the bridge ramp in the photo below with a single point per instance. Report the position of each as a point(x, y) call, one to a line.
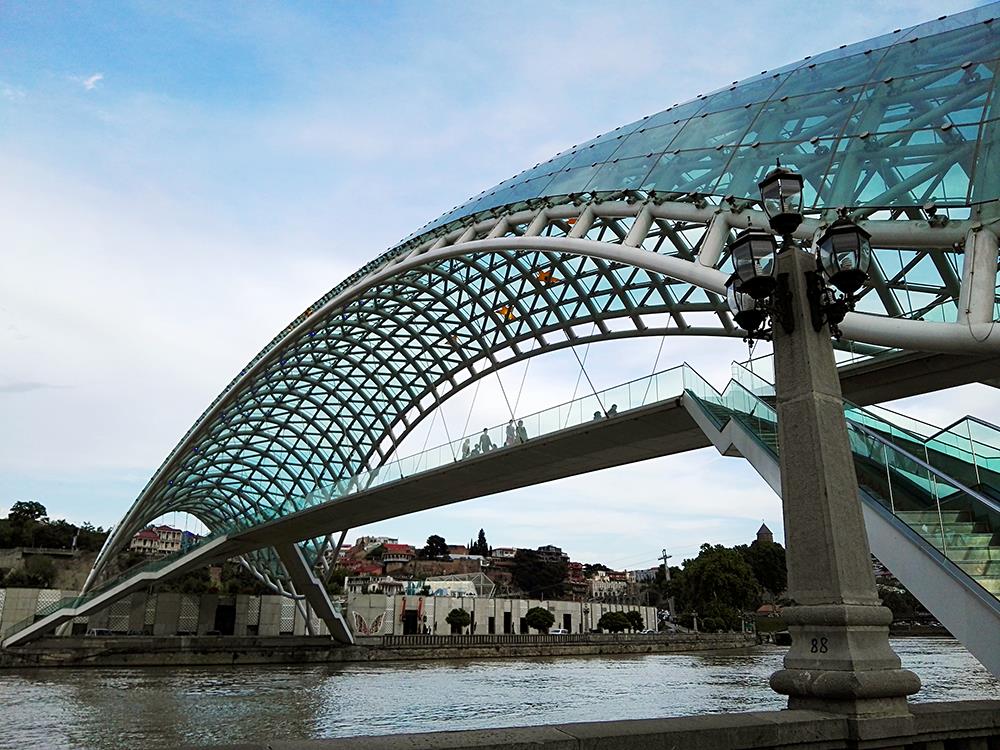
point(937, 534)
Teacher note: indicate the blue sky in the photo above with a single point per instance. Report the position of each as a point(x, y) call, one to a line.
point(181, 179)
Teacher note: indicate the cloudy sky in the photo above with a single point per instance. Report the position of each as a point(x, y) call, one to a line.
point(180, 179)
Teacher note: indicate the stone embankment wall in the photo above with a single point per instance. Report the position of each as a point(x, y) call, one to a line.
point(177, 651)
point(960, 725)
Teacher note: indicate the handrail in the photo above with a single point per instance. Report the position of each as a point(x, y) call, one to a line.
point(946, 478)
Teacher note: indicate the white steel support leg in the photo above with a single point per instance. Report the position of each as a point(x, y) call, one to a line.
point(583, 224)
point(537, 224)
point(714, 241)
point(977, 297)
point(640, 228)
point(308, 585)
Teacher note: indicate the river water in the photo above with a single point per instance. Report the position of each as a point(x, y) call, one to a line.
point(163, 707)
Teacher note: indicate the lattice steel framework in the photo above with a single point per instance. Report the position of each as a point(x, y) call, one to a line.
point(622, 236)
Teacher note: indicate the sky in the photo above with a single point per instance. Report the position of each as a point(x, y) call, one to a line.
point(181, 179)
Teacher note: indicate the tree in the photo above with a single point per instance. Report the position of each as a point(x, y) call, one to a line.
point(36, 572)
point(635, 621)
point(458, 619)
point(436, 547)
point(538, 578)
point(718, 576)
point(590, 568)
point(613, 622)
point(767, 561)
point(27, 510)
point(902, 603)
point(540, 619)
point(480, 546)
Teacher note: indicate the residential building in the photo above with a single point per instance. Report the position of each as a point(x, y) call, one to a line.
point(397, 553)
point(608, 585)
point(551, 553)
point(146, 542)
point(159, 540)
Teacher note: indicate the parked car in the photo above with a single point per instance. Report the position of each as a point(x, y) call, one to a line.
point(558, 631)
point(647, 631)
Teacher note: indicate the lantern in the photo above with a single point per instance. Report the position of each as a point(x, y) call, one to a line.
point(781, 196)
point(844, 252)
point(753, 256)
point(746, 313)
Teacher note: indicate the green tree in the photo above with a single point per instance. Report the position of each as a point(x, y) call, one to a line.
point(36, 572)
point(27, 510)
point(902, 603)
point(590, 568)
point(767, 561)
point(458, 619)
point(435, 548)
point(480, 546)
point(335, 581)
point(718, 576)
point(613, 622)
point(537, 578)
point(635, 621)
point(540, 619)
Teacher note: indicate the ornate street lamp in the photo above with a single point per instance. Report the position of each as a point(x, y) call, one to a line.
point(781, 196)
point(840, 659)
point(755, 292)
point(844, 253)
point(747, 312)
point(753, 253)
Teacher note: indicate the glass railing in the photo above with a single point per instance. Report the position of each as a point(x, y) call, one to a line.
point(968, 450)
point(948, 515)
point(594, 407)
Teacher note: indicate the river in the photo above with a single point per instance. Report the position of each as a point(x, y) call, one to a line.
point(164, 708)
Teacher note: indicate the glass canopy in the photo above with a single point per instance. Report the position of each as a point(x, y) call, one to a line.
point(899, 120)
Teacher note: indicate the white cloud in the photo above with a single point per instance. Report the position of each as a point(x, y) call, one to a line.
point(88, 82)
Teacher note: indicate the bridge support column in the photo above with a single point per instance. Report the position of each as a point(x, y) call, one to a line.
point(840, 659)
point(313, 590)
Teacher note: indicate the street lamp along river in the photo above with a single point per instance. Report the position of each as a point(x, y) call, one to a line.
point(840, 659)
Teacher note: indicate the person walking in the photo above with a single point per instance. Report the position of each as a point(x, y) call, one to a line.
point(511, 435)
point(466, 448)
point(485, 444)
point(522, 432)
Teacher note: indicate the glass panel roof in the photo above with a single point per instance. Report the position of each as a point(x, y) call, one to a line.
point(892, 121)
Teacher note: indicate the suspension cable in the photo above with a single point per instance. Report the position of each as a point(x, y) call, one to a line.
point(520, 390)
point(653, 372)
point(504, 392)
point(475, 393)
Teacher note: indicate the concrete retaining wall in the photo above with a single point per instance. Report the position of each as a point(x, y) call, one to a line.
point(166, 614)
point(177, 651)
point(960, 725)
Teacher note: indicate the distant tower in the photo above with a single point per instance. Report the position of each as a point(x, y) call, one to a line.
point(764, 534)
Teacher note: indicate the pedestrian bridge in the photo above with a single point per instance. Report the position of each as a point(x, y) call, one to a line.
point(931, 497)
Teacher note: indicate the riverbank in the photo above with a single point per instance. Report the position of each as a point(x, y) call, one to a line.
point(177, 651)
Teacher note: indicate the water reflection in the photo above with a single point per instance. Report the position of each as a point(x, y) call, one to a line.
point(162, 707)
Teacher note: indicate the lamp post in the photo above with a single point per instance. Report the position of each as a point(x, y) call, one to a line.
point(840, 659)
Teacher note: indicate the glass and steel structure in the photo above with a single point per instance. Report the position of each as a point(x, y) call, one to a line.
point(624, 235)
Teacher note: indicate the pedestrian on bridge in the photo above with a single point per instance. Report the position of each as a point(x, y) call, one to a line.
point(485, 444)
point(522, 432)
point(511, 435)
